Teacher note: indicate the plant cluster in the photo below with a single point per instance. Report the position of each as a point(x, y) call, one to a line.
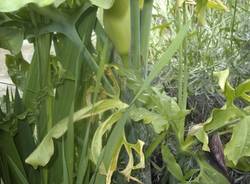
point(92, 112)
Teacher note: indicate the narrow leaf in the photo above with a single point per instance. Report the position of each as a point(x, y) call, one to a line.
point(165, 59)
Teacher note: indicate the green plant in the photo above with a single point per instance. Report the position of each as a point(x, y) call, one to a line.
point(88, 108)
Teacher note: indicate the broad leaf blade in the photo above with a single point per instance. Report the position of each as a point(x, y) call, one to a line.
point(239, 145)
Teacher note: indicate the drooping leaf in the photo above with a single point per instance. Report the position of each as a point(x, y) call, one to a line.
point(42, 154)
point(111, 154)
point(222, 117)
point(239, 145)
point(171, 164)
point(13, 5)
point(11, 37)
point(138, 148)
point(96, 145)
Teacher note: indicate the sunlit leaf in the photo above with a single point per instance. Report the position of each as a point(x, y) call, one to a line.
point(199, 132)
point(222, 78)
point(42, 154)
point(217, 4)
point(96, 145)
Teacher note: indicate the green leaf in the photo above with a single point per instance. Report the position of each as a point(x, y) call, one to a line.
point(158, 122)
point(222, 117)
point(239, 145)
point(96, 146)
point(112, 150)
point(208, 174)
point(42, 154)
point(105, 4)
point(242, 89)
point(11, 37)
point(242, 165)
point(22, 178)
point(199, 132)
point(217, 4)
point(13, 5)
point(222, 78)
point(225, 86)
point(165, 59)
point(201, 8)
point(172, 166)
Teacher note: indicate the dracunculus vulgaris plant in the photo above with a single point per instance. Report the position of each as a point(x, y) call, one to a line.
point(85, 109)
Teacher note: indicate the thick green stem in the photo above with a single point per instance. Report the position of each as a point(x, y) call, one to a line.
point(135, 33)
point(146, 17)
point(232, 25)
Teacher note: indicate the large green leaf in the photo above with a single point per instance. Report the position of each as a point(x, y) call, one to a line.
point(239, 145)
point(172, 166)
point(13, 5)
point(222, 117)
point(42, 154)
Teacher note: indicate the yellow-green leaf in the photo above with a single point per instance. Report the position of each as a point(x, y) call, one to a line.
point(239, 145)
point(42, 154)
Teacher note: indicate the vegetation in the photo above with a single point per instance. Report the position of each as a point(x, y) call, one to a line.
point(129, 95)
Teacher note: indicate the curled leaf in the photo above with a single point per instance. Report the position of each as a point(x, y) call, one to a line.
point(42, 154)
point(96, 145)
